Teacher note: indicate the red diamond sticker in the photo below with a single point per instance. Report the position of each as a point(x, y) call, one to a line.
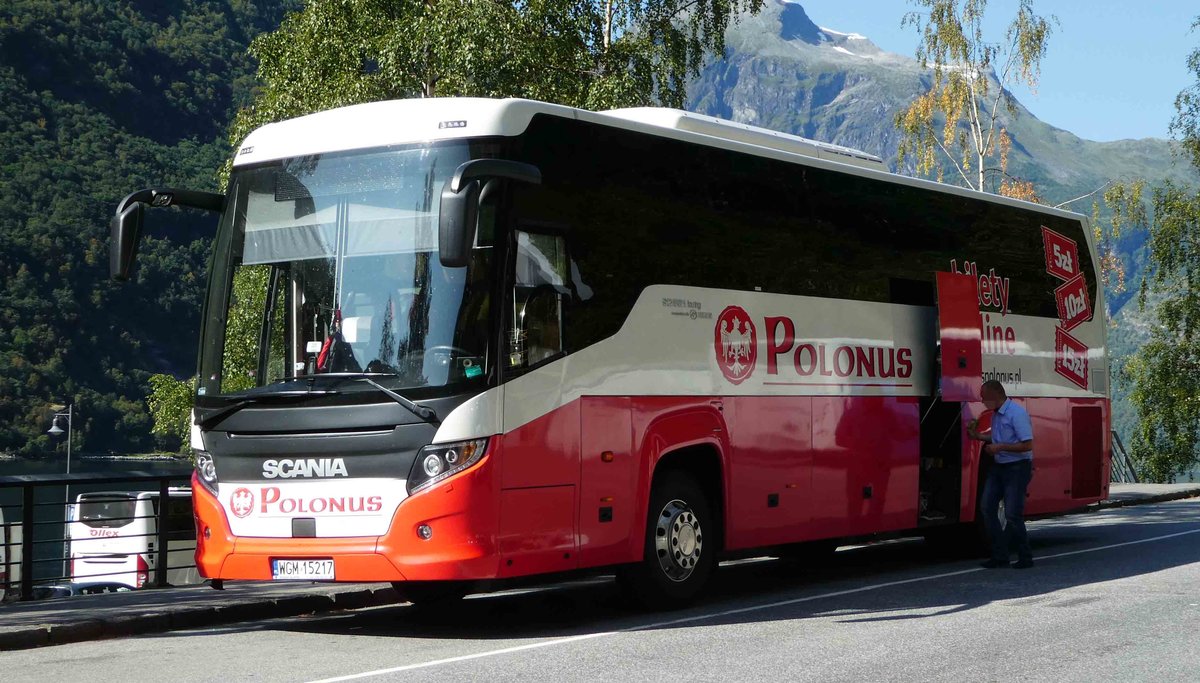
point(1070, 358)
point(1062, 254)
point(1074, 307)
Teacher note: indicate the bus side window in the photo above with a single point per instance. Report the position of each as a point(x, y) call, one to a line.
point(541, 275)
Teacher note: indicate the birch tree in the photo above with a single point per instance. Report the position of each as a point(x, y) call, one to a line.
point(955, 126)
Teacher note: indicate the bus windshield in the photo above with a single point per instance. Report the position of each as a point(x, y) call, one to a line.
point(328, 265)
point(106, 510)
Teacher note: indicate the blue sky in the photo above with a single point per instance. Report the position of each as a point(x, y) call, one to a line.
point(1112, 70)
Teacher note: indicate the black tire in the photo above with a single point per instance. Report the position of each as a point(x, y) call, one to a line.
point(680, 546)
point(430, 593)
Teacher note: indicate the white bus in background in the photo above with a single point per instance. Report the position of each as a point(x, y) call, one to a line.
point(114, 535)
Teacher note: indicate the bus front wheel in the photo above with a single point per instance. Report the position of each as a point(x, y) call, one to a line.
point(680, 545)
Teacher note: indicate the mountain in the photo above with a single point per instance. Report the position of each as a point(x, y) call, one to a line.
point(784, 72)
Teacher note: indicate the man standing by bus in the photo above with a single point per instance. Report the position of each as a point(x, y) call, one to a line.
point(1011, 447)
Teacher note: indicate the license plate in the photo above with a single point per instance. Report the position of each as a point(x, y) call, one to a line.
point(302, 570)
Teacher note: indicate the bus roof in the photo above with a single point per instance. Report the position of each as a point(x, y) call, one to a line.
point(372, 125)
point(400, 122)
point(731, 130)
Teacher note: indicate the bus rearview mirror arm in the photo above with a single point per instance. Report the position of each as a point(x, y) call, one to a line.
point(460, 203)
point(125, 229)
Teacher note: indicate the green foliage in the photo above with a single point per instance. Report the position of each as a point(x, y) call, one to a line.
point(170, 403)
point(1164, 373)
point(242, 328)
point(1168, 410)
point(171, 399)
point(957, 119)
point(585, 53)
point(1186, 124)
point(99, 98)
point(1122, 207)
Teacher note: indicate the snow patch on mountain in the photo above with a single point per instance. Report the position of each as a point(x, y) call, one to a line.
point(847, 36)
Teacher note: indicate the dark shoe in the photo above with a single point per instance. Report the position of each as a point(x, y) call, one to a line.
point(1023, 564)
point(994, 564)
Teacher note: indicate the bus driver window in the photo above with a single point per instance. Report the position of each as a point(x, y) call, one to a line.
point(535, 331)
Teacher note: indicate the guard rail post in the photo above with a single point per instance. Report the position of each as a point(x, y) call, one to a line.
point(164, 503)
point(27, 542)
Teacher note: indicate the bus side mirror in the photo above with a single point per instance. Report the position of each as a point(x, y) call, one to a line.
point(456, 224)
point(125, 228)
point(460, 204)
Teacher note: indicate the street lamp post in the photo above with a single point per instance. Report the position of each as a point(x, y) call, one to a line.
point(57, 430)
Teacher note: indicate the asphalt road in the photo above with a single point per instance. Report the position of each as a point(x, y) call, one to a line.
point(1113, 597)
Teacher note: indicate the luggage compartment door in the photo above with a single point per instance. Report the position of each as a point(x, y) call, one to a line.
point(960, 334)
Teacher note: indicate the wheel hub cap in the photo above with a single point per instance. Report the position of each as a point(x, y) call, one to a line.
point(678, 540)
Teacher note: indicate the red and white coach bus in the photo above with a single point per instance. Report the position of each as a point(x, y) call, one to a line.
point(448, 341)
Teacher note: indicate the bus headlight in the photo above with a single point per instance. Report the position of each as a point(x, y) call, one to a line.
point(206, 470)
point(435, 463)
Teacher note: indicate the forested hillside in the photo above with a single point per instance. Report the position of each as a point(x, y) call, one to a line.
point(99, 98)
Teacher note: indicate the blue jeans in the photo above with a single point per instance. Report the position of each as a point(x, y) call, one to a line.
point(1007, 482)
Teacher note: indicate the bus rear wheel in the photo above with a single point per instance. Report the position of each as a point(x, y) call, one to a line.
point(680, 546)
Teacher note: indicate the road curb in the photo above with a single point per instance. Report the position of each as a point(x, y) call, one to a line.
point(1158, 498)
point(192, 617)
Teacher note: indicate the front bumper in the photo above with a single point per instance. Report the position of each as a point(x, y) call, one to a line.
point(462, 511)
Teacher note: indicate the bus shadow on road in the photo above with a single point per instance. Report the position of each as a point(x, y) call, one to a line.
point(893, 580)
point(905, 581)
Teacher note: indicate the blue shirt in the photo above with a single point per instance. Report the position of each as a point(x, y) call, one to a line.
point(1010, 424)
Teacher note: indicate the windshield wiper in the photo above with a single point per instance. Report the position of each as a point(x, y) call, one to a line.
point(210, 421)
point(424, 412)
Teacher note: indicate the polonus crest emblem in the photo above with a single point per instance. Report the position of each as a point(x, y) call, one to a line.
point(736, 343)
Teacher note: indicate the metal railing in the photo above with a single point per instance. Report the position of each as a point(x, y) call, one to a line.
point(43, 523)
point(1123, 470)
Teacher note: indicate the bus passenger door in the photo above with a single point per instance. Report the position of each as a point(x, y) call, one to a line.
point(960, 370)
point(540, 462)
point(607, 486)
